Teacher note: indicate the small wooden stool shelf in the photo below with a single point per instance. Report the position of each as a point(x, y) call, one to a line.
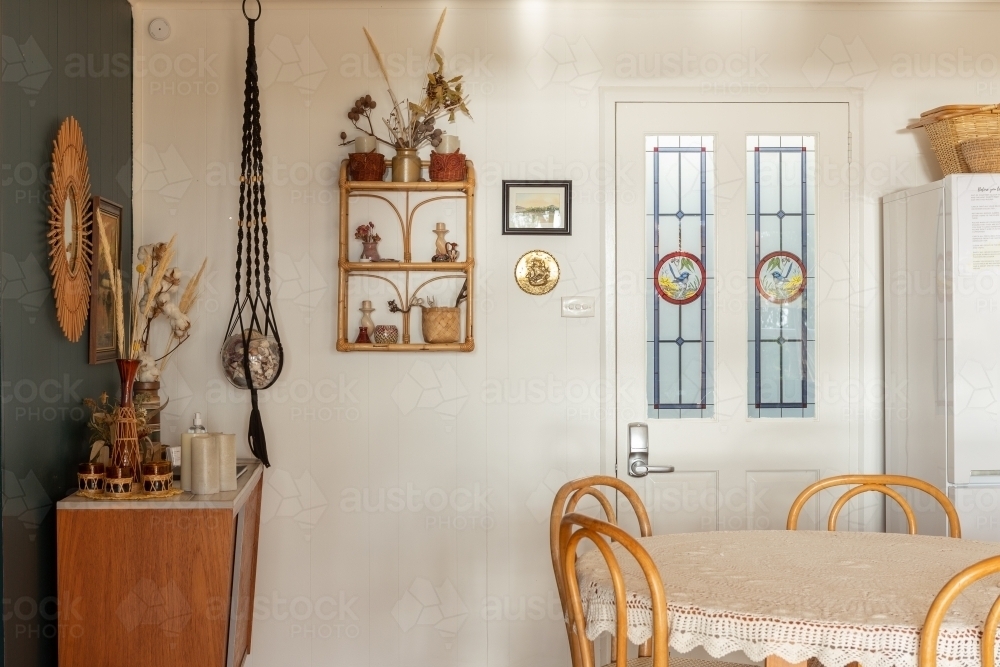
point(459, 271)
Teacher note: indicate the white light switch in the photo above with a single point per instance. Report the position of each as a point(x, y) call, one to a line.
point(578, 306)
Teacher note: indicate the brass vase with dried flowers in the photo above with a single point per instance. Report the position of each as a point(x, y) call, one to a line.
point(411, 125)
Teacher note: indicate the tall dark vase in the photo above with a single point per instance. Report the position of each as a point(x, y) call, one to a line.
point(125, 451)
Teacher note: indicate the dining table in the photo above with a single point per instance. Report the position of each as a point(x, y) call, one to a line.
point(789, 596)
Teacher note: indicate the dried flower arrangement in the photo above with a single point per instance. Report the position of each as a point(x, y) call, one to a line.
point(411, 125)
point(153, 296)
point(366, 233)
point(163, 299)
point(103, 416)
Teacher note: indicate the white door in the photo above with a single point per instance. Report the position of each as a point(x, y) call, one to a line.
point(733, 314)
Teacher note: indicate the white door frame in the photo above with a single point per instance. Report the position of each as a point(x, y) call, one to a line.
point(866, 429)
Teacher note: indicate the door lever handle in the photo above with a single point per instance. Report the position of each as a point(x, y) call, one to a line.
point(638, 468)
point(638, 452)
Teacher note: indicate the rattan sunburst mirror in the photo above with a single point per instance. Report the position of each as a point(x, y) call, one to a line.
point(70, 249)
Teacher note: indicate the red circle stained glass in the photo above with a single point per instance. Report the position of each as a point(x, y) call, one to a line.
point(780, 277)
point(679, 278)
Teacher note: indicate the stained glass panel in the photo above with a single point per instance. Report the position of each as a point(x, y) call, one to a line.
point(781, 220)
point(680, 282)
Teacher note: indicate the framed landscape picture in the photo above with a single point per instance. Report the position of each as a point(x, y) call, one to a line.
point(537, 207)
point(103, 333)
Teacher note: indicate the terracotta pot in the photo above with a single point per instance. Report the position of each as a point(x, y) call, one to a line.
point(369, 251)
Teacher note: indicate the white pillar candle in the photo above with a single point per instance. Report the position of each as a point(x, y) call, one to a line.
point(365, 144)
point(449, 144)
point(186, 461)
point(205, 464)
point(227, 461)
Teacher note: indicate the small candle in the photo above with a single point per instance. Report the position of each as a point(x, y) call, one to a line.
point(365, 144)
point(186, 461)
point(449, 144)
point(227, 461)
point(204, 464)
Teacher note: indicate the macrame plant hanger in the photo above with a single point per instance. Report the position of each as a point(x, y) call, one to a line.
point(253, 317)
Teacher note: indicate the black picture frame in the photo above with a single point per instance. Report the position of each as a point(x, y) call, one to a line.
point(103, 344)
point(561, 190)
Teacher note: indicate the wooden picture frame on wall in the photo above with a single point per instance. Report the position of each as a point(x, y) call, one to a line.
point(103, 332)
point(538, 207)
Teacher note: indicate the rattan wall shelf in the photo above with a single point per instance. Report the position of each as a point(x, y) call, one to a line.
point(352, 270)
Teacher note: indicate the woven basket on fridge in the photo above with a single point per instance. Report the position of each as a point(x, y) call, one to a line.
point(439, 324)
point(948, 126)
point(982, 155)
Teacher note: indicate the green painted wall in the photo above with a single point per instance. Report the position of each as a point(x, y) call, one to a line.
point(60, 58)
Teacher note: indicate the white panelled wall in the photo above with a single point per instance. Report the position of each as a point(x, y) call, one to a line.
point(405, 514)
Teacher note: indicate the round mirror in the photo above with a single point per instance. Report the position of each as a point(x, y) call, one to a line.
point(69, 230)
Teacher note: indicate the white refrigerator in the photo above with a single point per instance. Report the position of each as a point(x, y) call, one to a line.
point(942, 349)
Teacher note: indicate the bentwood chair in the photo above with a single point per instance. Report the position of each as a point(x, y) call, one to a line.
point(565, 502)
point(927, 655)
point(573, 529)
point(882, 484)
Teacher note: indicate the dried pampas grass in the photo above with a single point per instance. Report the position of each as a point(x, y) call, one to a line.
point(191, 291)
point(437, 35)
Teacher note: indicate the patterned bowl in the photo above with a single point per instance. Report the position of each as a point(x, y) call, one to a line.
point(385, 334)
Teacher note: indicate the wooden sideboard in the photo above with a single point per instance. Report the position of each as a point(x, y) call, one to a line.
point(159, 582)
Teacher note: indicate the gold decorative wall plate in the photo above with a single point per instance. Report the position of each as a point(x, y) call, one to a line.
point(70, 249)
point(537, 272)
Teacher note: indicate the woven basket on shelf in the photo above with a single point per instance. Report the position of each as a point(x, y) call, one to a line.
point(447, 167)
point(366, 166)
point(982, 154)
point(948, 126)
point(439, 324)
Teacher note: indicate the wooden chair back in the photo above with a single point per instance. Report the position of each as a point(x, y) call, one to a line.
point(927, 654)
point(601, 533)
point(881, 484)
point(565, 502)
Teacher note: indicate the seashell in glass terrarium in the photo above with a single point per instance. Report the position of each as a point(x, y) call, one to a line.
point(266, 359)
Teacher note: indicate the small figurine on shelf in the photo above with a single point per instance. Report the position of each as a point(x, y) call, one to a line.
point(440, 245)
point(366, 319)
point(369, 241)
point(444, 251)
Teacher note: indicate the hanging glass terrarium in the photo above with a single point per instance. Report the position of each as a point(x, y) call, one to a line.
point(263, 356)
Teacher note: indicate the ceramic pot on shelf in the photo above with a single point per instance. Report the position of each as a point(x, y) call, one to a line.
point(406, 166)
point(152, 405)
point(369, 251)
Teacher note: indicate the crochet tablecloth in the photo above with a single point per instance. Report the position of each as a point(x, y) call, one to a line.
point(835, 596)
